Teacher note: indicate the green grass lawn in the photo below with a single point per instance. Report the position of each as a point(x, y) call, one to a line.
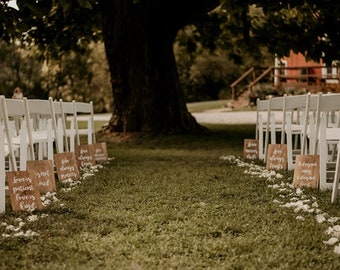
point(207, 105)
point(173, 203)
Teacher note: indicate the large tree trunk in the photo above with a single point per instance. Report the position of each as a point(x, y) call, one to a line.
point(138, 37)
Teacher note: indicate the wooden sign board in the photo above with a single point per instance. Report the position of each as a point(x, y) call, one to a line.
point(306, 171)
point(100, 152)
point(66, 165)
point(23, 191)
point(277, 157)
point(44, 173)
point(250, 149)
point(85, 155)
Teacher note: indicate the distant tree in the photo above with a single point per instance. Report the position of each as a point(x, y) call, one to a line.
point(20, 69)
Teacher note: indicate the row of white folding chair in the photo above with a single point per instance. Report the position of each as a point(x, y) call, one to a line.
point(33, 126)
point(313, 124)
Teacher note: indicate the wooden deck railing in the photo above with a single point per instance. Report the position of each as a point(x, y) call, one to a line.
point(281, 79)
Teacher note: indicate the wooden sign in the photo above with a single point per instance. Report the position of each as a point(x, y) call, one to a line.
point(66, 165)
point(23, 191)
point(100, 152)
point(306, 171)
point(44, 173)
point(277, 157)
point(85, 155)
point(251, 149)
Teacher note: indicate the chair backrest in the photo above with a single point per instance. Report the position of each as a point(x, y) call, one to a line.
point(16, 112)
point(39, 112)
point(262, 105)
point(327, 104)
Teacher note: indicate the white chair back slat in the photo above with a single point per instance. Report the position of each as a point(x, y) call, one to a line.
point(262, 106)
point(60, 125)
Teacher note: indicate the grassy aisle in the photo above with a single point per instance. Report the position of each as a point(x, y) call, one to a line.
point(172, 203)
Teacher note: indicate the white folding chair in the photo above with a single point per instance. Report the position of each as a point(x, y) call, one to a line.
point(327, 130)
point(84, 122)
point(270, 122)
point(298, 109)
point(43, 128)
point(18, 129)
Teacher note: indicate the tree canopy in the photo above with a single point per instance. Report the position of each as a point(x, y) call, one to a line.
point(139, 37)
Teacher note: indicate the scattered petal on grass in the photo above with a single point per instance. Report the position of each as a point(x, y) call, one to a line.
point(320, 218)
point(333, 219)
point(337, 249)
point(315, 205)
point(331, 241)
point(32, 218)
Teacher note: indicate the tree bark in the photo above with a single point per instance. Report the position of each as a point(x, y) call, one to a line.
point(139, 37)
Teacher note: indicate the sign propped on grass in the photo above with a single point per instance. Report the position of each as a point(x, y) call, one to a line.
point(66, 165)
point(100, 152)
point(44, 173)
point(276, 157)
point(306, 171)
point(23, 191)
point(251, 149)
point(85, 155)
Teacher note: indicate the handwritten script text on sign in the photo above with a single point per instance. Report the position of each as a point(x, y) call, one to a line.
point(85, 156)
point(276, 157)
point(24, 191)
point(43, 171)
point(307, 171)
point(66, 165)
point(251, 149)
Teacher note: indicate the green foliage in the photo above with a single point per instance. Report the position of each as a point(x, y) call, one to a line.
point(20, 69)
point(60, 26)
point(83, 77)
point(206, 73)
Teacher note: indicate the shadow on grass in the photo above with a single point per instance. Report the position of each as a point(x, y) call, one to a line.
point(219, 136)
